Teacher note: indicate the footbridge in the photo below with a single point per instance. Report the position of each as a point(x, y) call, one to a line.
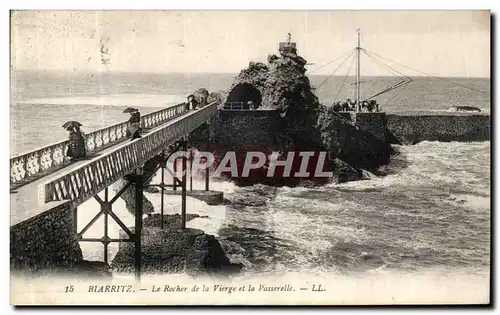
point(45, 179)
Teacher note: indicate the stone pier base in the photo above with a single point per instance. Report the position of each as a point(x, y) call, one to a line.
point(173, 251)
point(211, 197)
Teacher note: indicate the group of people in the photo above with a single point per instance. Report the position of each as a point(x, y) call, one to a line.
point(349, 105)
point(77, 148)
point(192, 103)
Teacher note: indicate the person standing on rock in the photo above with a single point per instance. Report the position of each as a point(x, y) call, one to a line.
point(337, 107)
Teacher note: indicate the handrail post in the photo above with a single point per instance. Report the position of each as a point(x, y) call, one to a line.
point(95, 141)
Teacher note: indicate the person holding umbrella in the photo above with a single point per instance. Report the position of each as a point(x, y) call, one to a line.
point(135, 115)
point(134, 130)
point(191, 102)
point(76, 147)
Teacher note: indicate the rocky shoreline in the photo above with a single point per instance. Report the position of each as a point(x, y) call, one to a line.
point(172, 250)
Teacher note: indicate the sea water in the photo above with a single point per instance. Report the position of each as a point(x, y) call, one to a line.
point(429, 217)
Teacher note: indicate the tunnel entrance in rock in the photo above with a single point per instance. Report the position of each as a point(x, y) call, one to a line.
point(245, 93)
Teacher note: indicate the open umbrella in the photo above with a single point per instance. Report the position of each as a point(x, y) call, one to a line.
point(130, 110)
point(71, 124)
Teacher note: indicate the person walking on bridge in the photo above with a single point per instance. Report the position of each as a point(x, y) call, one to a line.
point(191, 102)
point(76, 147)
point(134, 130)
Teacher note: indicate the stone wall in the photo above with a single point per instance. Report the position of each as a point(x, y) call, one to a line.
point(375, 123)
point(45, 241)
point(411, 129)
point(245, 130)
point(266, 131)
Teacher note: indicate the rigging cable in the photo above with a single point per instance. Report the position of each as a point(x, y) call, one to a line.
point(326, 64)
point(335, 70)
point(386, 66)
point(395, 86)
point(401, 76)
point(430, 75)
point(345, 78)
point(396, 94)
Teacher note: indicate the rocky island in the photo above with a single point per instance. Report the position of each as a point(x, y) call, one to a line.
point(282, 114)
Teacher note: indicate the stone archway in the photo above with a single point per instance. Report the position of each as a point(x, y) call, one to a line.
point(245, 92)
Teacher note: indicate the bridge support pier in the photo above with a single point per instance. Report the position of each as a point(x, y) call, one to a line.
point(105, 240)
point(75, 218)
point(139, 180)
point(190, 172)
point(107, 210)
point(184, 180)
point(139, 189)
point(207, 170)
point(162, 187)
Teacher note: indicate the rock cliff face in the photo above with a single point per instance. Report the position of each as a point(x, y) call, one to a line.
point(171, 250)
point(302, 123)
point(129, 194)
point(346, 142)
point(282, 85)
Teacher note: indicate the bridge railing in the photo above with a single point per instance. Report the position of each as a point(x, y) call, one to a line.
point(233, 106)
point(30, 166)
point(82, 183)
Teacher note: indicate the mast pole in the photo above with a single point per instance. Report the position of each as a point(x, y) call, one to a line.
point(358, 68)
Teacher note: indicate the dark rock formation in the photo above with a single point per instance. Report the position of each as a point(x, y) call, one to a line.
point(298, 123)
point(345, 172)
point(170, 222)
point(346, 142)
point(211, 197)
point(282, 85)
point(129, 195)
point(172, 250)
point(218, 96)
point(207, 256)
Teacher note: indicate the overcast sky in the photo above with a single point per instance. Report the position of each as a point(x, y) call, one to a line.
point(442, 43)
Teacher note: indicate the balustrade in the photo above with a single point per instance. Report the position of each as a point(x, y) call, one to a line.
point(27, 167)
point(80, 184)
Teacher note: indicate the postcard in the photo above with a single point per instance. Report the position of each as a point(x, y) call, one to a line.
point(250, 157)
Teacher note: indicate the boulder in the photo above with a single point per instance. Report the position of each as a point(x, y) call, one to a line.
point(174, 250)
point(129, 194)
point(207, 256)
point(345, 172)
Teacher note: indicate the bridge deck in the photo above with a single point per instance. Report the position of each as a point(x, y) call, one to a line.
point(24, 202)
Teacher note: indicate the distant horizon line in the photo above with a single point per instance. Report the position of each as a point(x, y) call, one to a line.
point(227, 73)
